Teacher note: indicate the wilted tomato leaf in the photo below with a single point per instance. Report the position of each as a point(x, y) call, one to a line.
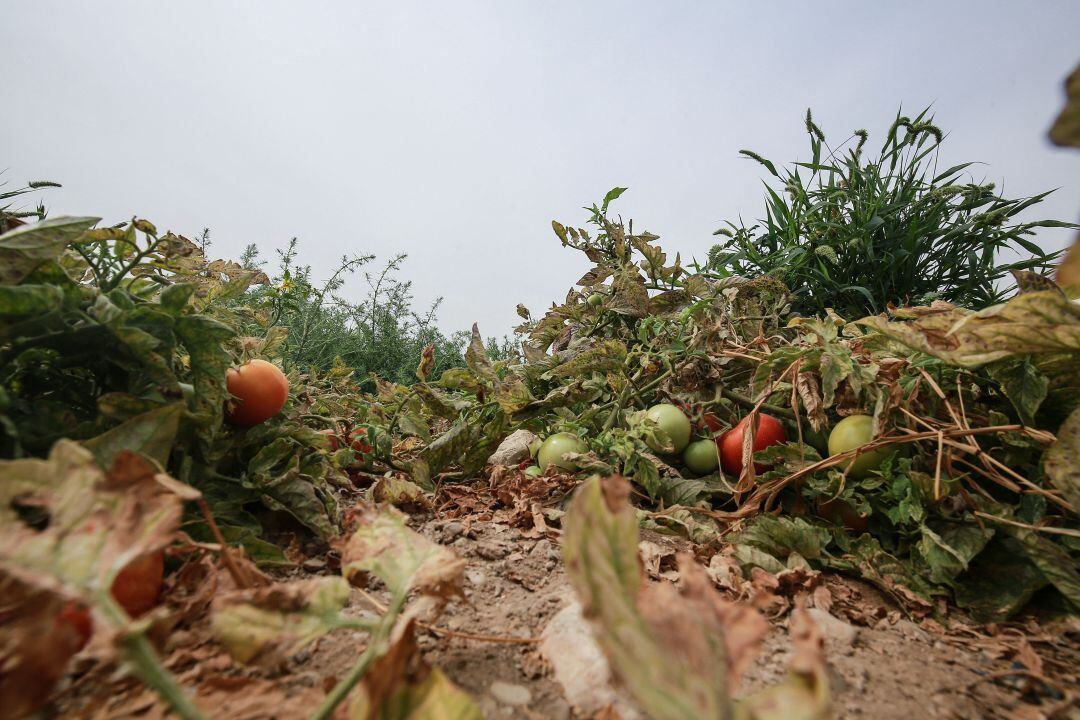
point(385, 547)
point(668, 649)
point(35, 645)
point(1033, 322)
point(25, 248)
point(1066, 129)
point(400, 686)
point(804, 695)
point(270, 623)
point(97, 522)
point(1062, 461)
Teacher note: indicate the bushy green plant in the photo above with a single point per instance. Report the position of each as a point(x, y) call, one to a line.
point(383, 334)
point(856, 233)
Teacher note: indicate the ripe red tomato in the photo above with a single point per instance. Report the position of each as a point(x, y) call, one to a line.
point(74, 618)
point(137, 586)
point(358, 441)
point(260, 389)
point(769, 432)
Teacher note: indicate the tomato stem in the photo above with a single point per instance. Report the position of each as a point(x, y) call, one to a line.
point(140, 655)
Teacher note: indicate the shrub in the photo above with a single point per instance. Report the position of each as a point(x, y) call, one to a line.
point(855, 234)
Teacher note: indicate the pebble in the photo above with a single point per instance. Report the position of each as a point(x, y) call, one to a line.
point(451, 531)
point(491, 551)
point(510, 694)
point(835, 630)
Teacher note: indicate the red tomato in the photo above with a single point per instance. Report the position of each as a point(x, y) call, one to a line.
point(138, 585)
point(75, 618)
point(712, 422)
point(358, 441)
point(260, 389)
point(769, 432)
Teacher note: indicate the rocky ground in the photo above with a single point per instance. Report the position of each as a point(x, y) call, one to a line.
point(517, 642)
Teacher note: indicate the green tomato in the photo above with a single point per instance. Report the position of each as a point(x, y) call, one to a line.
point(673, 422)
point(534, 447)
point(700, 457)
point(533, 471)
point(553, 449)
point(852, 432)
point(596, 300)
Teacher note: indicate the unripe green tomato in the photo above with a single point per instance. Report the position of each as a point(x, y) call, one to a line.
point(852, 432)
point(673, 422)
point(534, 447)
point(596, 299)
point(553, 449)
point(533, 471)
point(700, 457)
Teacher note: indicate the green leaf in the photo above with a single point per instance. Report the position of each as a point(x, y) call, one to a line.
point(151, 434)
point(23, 249)
point(1000, 581)
point(612, 195)
point(782, 536)
point(1023, 384)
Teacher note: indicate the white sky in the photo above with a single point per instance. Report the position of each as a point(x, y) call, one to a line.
point(455, 131)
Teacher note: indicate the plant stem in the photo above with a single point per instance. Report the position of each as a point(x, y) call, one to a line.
point(378, 645)
point(145, 663)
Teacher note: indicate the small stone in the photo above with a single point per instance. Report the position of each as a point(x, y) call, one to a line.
point(476, 578)
point(835, 630)
point(911, 631)
point(451, 531)
point(510, 694)
point(314, 564)
point(492, 551)
point(514, 449)
point(542, 550)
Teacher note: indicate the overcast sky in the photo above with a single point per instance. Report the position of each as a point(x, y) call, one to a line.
point(456, 131)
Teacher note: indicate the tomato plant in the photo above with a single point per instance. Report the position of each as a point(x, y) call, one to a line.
point(853, 432)
point(137, 587)
point(553, 449)
point(673, 422)
point(700, 457)
point(769, 432)
point(260, 389)
point(596, 300)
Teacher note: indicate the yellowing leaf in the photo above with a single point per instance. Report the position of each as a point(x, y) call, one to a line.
point(1034, 322)
point(1066, 129)
point(1062, 461)
point(98, 522)
point(385, 547)
point(667, 649)
point(271, 623)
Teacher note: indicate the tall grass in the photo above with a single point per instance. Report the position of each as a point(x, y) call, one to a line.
point(856, 233)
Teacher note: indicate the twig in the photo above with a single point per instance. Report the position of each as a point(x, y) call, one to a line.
point(239, 577)
point(1016, 523)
